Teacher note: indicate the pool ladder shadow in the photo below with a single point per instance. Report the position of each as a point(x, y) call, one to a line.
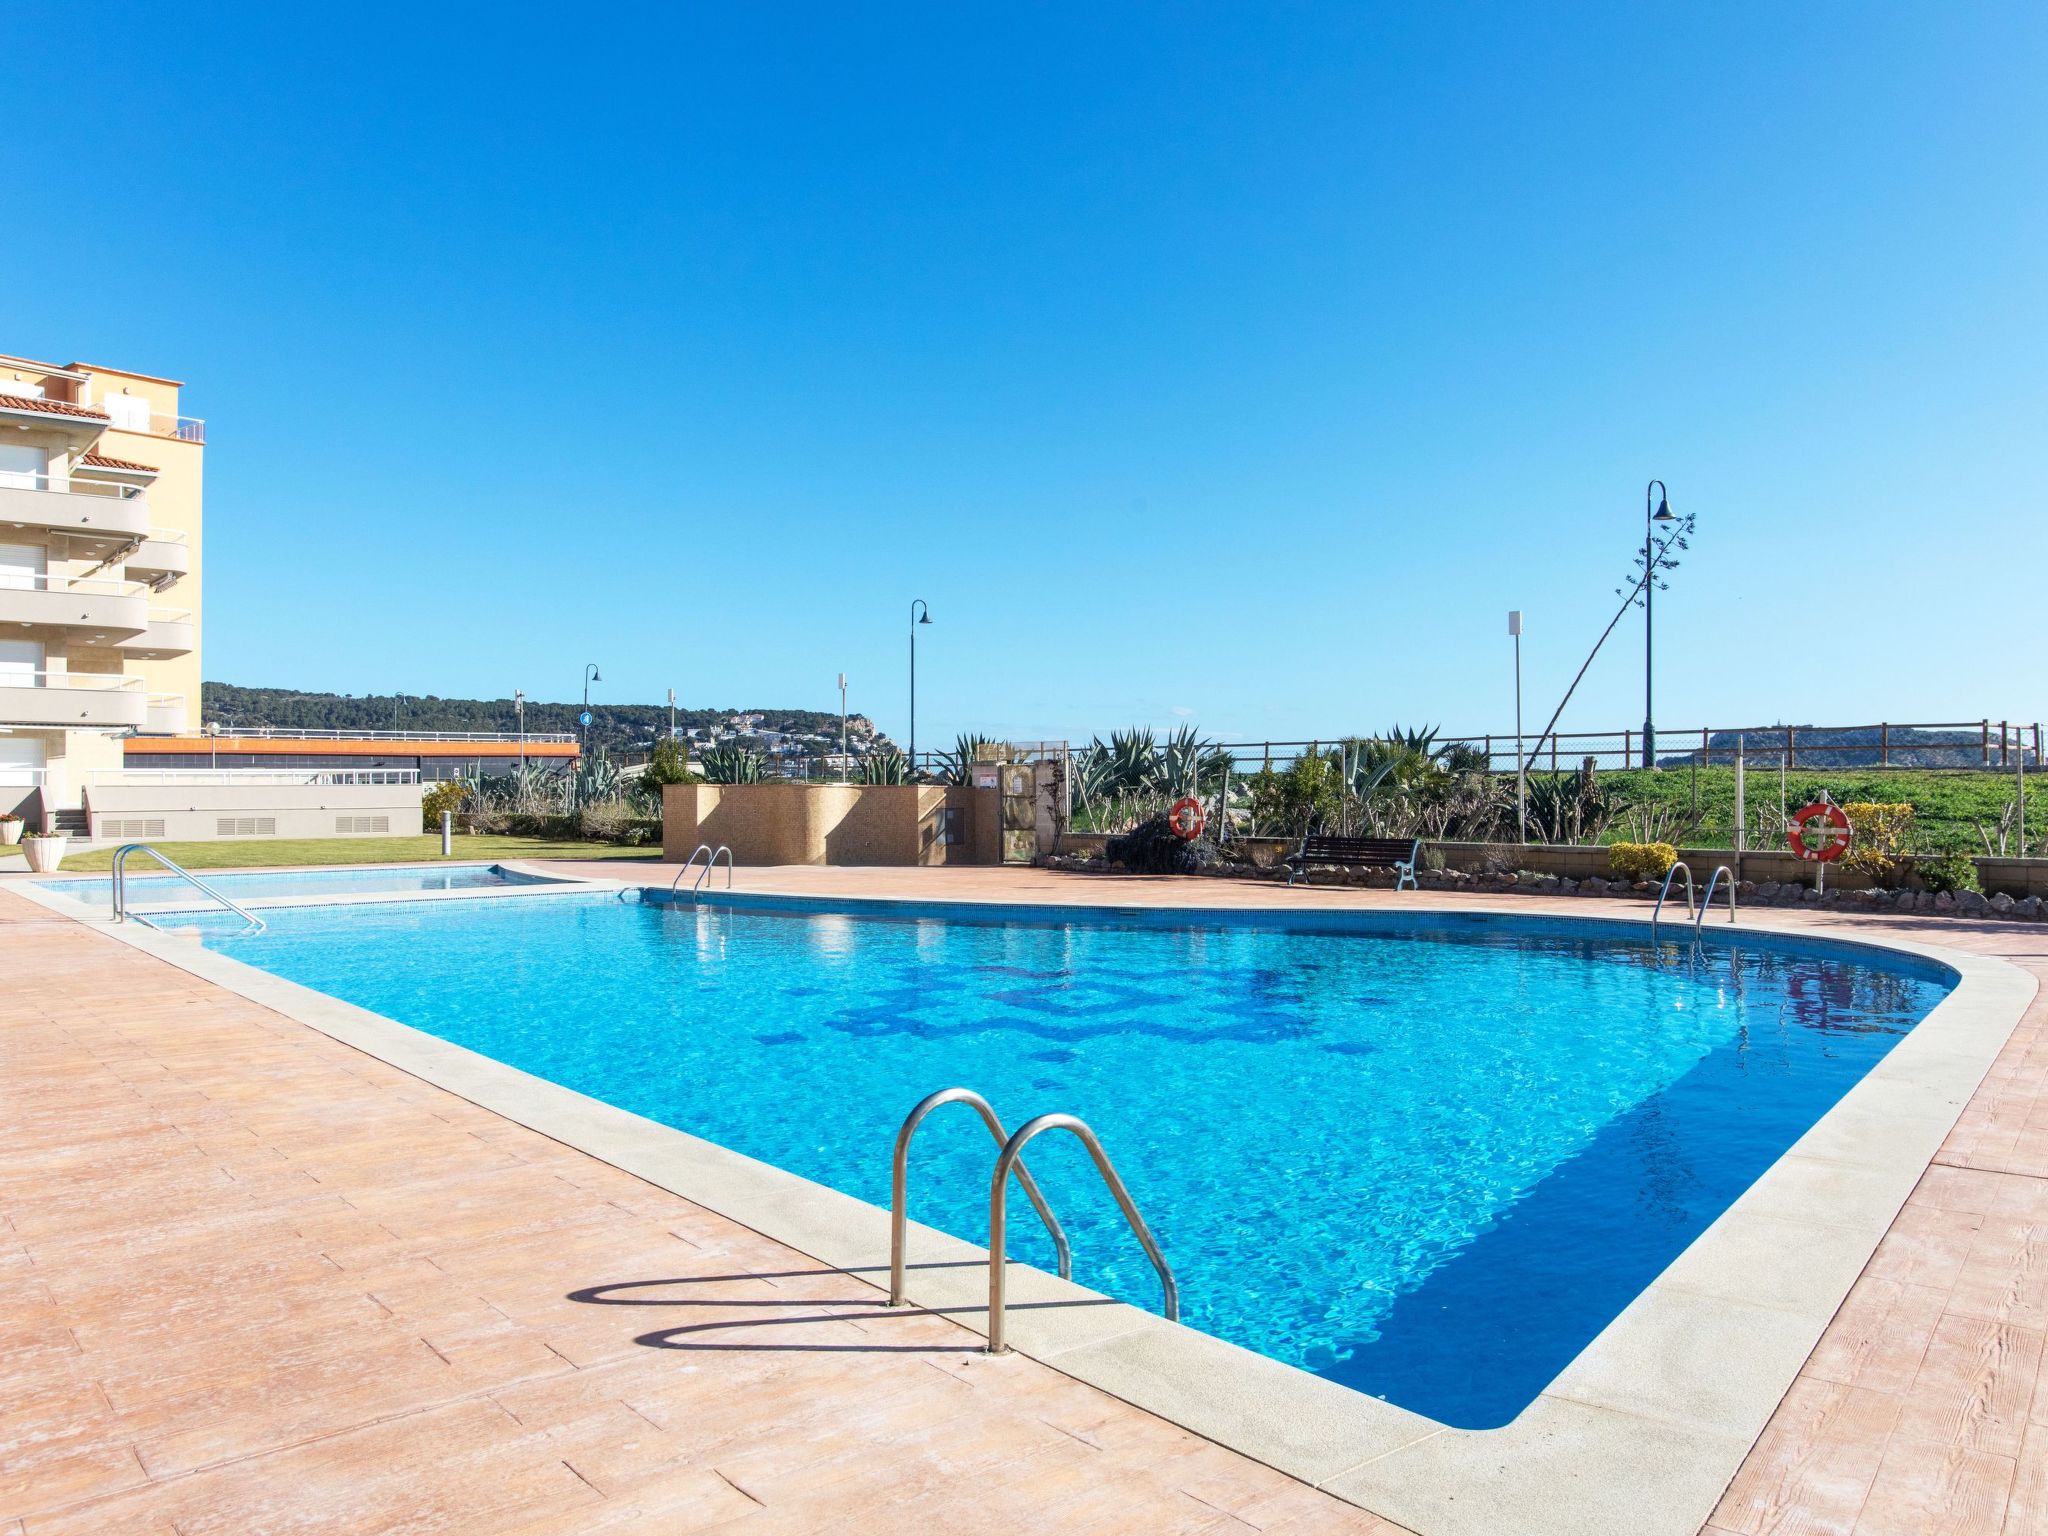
point(1011, 1159)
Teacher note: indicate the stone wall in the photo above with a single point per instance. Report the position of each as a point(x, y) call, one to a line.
point(851, 824)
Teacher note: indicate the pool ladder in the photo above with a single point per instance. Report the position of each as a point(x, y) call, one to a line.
point(1011, 1159)
point(710, 863)
point(1696, 911)
point(120, 888)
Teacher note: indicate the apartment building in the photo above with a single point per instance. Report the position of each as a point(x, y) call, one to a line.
point(100, 539)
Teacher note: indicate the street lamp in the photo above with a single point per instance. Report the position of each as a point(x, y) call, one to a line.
point(1521, 767)
point(842, 727)
point(919, 614)
point(671, 714)
point(590, 675)
point(394, 712)
point(1656, 509)
point(519, 716)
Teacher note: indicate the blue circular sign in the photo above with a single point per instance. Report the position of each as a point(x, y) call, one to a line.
point(584, 718)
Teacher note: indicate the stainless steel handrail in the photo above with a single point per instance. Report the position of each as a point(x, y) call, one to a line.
point(120, 887)
point(899, 1182)
point(676, 885)
point(1707, 900)
point(1691, 905)
point(709, 865)
point(998, 1195)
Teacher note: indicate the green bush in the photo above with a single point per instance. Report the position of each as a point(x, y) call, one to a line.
point(670, 764)
point(448, 795)
point(1642, 861)
point(1951, 871)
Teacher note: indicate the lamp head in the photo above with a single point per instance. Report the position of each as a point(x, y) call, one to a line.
point(1663, 513)
point(925, 618)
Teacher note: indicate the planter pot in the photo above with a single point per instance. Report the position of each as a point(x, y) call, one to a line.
point(44, 853)
point(10, 832)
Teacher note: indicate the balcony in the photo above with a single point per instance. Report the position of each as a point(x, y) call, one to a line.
point(93, 508)
point(160, 559)
point(166, 715)
point(171, 632)
point(96, 612)
point(73, 701)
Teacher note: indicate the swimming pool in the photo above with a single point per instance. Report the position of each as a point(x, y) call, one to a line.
point(1424, 1157)
point(159, 891)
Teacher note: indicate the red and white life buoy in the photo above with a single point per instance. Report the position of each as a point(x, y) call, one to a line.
point(1820, 832)
point(1185, 820)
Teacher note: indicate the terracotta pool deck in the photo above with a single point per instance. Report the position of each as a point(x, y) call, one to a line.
point(252, 1280)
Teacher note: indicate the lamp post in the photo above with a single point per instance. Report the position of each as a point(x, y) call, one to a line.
point(394, 712)
point(519, 717)
point(842, 727)
point(919, 614)
point(671, 714)
point(1656, 509)
point(1521, 767)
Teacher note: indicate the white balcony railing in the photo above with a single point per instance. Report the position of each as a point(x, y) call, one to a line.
point(187, 429)
point(263, 776)
point(289, 733)
point(22, 480)
point(91, 586)
point(89, 682)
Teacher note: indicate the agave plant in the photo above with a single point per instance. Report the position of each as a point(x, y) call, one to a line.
point(890, 767)
point(957, 766)
point(594, 778)
point(1189, 765)
point(730, 763)
point(1133, 761)
point(1570, 808)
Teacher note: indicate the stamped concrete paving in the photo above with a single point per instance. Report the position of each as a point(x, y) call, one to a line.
point(256, 1281)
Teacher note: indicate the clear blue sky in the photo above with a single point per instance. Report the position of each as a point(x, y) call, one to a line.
point(1237, 363)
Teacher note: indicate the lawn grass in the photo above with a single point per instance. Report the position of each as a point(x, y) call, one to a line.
point(1947, 805)
point(357, 850)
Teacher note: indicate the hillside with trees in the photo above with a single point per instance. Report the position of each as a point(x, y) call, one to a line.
point(618, 728)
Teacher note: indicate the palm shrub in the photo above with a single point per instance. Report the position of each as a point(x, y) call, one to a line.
point(730, 763)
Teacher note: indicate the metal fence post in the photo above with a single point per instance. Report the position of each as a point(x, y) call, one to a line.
point(1884, 745)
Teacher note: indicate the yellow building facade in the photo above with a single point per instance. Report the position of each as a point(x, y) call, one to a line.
point(100, 576)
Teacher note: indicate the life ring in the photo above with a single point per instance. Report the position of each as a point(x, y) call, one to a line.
point(1185, 820)
point(1820, 832)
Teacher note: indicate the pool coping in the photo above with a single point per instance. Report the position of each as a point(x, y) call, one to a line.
point(1638, 1436)
point(544, 884)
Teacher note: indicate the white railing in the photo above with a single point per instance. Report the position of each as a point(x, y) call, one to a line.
point(170, 615)
point(288, 733)
point(94, 682)
point(22, 480)
point(270, 776)
point(21, 582)
point(167, 536)
point(189, 429)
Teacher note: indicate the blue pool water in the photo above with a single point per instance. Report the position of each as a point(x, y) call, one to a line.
point(163, 890)
point(1425, 1156)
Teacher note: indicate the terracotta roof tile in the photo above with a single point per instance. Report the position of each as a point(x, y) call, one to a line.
point(102, 461)
point(53, 407)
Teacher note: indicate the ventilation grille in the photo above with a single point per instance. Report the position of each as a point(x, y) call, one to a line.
point(131, 826)
point(246, 826)
point(360, 824)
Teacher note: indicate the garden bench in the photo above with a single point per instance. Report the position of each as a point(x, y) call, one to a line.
point(1396, 853)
